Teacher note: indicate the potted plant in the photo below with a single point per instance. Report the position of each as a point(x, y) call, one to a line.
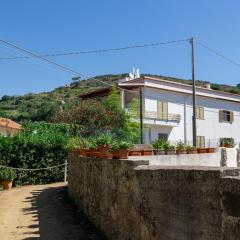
point(159, 147)
point(211, 150)
point(7, 176)
point(75, 146)
point(191, 150)
point(92, 147)
point(227, 142)
point(170, 149)
point(104, 142)
point(147, 152)
point(121, 149)
point(181, 148)
point(202, 150)
point(135, 152)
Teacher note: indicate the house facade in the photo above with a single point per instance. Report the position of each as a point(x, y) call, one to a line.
point(168, 111)
point(8, 127)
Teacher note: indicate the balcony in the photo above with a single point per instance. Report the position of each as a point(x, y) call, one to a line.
point(154, 118)
point(162, 117)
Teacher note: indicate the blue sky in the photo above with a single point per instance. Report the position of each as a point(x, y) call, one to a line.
point(76, 25)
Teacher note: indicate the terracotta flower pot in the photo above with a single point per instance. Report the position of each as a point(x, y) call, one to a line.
point(7, 184)
point(159, 152)
point(121, 154)
point(211, 150)
point(181, 152)
point(75, 152)
point(103, 148)
point(192, 151)
point(135, 153)
point(147, 152)
point(92, 152)
point(106, 155)
point(202, 150)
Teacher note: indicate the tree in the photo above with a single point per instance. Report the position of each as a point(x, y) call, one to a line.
point(104, 115)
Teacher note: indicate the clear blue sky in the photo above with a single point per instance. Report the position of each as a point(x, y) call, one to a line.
point(75, 25)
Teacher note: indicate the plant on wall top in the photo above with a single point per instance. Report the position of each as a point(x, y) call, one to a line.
point(7, 174)
point(159, 144)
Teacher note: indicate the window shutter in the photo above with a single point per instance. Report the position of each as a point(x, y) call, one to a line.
point(165, 110)
point(231, 117)
point(220, 115)
point(159, 109)
point(202, 113)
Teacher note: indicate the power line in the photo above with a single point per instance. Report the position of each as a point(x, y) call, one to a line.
point(62, 67)
point(76, 73)
point(98, 50)
point(219, 54)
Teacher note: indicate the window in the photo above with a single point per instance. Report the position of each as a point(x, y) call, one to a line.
point(199, 112)
point(225, 116)
point(162, 110)
point(200, 141)
point(163, 136)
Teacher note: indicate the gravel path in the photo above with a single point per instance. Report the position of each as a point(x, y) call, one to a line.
point(42, 212)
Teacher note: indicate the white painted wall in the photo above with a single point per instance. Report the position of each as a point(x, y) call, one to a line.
point(210, 127)
point(205, 159)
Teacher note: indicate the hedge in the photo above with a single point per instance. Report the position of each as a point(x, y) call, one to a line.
point(38, 146)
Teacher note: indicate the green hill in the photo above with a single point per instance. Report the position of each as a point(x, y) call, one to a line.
point(41, 106)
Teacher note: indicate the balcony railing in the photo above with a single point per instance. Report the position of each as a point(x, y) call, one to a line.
point(162, 116)
point(157, 116)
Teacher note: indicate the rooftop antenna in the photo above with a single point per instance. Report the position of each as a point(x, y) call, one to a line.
point(135, 73)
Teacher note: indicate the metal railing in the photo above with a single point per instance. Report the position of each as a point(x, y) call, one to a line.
point(162, 116)
point(156, 116)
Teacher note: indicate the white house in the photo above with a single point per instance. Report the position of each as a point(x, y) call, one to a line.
point(168, 111)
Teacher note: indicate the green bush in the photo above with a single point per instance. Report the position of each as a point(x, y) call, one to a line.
point(36, 148)
point(7, 174)
point(159, 144)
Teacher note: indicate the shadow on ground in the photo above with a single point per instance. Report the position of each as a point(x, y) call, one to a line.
point(57, 218)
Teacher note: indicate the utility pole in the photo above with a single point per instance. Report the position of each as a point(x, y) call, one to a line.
point(141, 114)
point(194, 122)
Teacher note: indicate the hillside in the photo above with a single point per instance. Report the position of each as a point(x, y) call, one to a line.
point(40, 107)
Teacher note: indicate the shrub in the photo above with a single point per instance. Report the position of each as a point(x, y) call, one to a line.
point(181, 146)
point(7, 174)
point(117, 145)
point(105, 140)
point(159, 144)
point(227, 142)
point(34, 149)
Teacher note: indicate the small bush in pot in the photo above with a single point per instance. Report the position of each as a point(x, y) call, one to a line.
point(104, 142)
point(227, 142)
point(75, 146)
point(92, 147)
point(170, 149)
point(181, 148)
point(159, 146)
point(7, 176)
point(191, 150)
point(121, 149)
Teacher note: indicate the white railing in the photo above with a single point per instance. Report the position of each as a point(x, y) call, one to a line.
point(163, 117)
point(157, 116)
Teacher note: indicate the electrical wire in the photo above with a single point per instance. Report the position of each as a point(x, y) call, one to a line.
point(60, 66)
point(218, 54)
point(98, 50)
point(76, 73)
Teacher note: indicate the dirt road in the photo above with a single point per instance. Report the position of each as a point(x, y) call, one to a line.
point(42, 212)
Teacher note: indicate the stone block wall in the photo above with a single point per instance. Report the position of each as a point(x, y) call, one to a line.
point(128, 199)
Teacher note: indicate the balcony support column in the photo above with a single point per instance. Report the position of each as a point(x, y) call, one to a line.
point(141, 114)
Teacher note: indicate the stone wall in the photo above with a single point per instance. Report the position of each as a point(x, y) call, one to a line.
point(129, 199)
